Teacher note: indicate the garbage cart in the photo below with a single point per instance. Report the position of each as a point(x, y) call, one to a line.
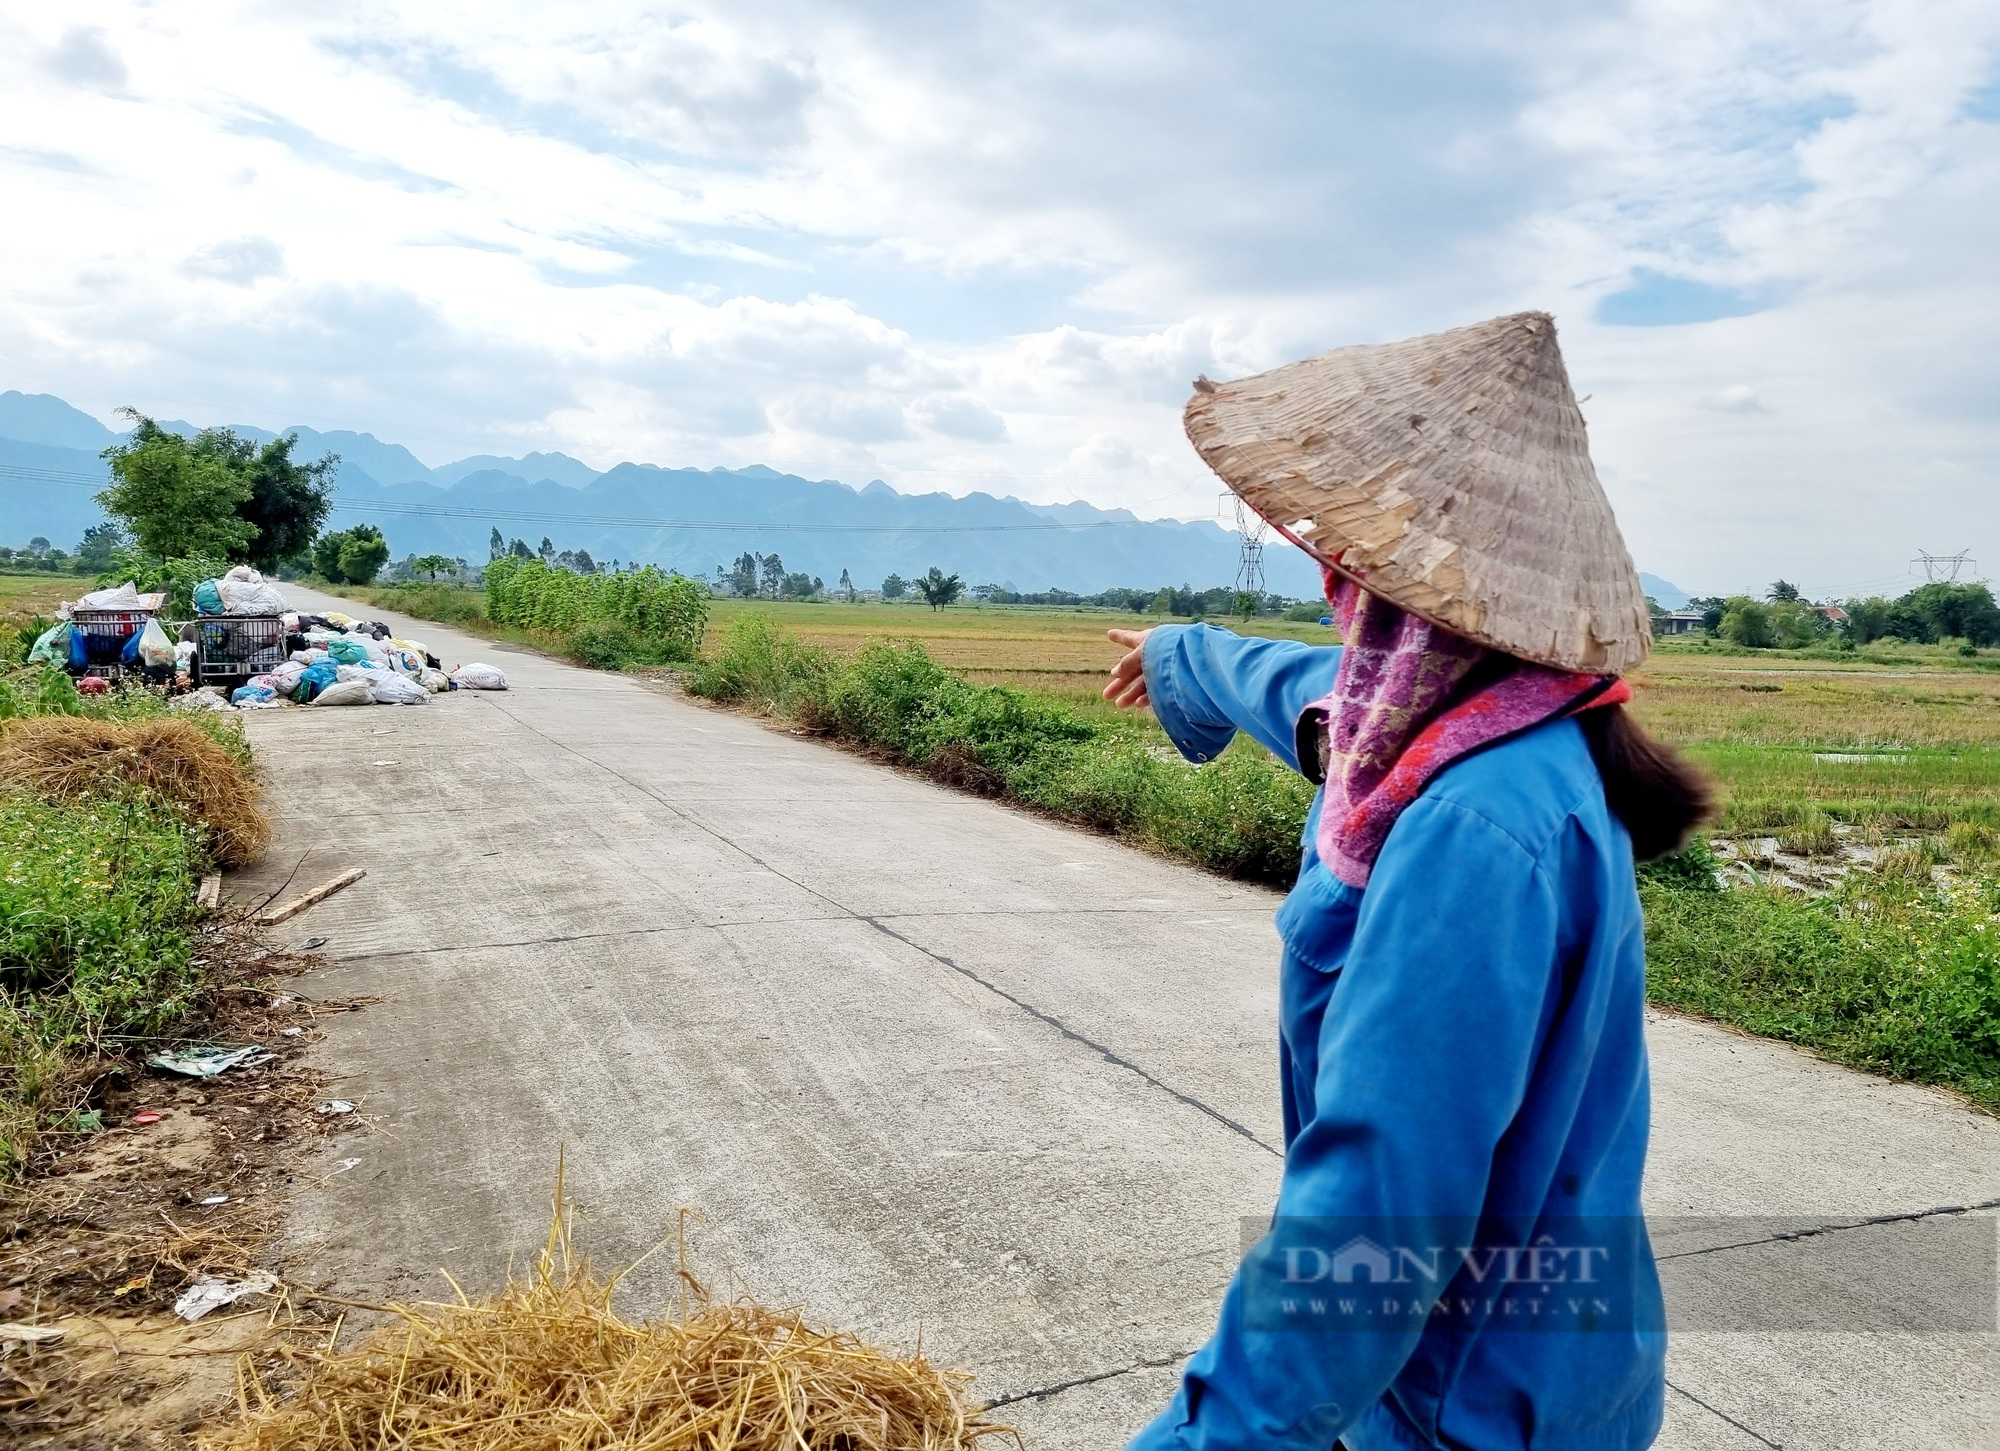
point(106, 642)
point(229, 649)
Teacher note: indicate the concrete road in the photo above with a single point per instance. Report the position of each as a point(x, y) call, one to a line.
point(928, 1065)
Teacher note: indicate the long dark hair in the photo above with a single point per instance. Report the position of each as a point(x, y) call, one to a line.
point(1651, 787)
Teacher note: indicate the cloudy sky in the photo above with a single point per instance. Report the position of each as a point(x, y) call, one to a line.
point(987, 245)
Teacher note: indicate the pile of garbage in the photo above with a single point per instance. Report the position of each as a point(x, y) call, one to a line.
point(336, 659)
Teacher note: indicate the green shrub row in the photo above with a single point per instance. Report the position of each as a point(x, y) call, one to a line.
point(1240, 815)
point(644, 610)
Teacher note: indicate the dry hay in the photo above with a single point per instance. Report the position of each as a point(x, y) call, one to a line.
point(66, 758)
point(547, 1365)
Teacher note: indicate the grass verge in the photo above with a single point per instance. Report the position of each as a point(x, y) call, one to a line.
point(101, 853)
point(1239, 815)
point(1896, 972)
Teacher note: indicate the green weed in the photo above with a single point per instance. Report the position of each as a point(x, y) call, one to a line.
point(1890, 974)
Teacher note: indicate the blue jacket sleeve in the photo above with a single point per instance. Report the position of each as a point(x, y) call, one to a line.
point(1206, 684)
point(1422, 1058)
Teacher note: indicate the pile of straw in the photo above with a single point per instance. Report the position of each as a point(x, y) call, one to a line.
point(547, 1365)
point(66, 758)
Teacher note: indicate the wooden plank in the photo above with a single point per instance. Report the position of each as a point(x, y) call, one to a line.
point(298, 904)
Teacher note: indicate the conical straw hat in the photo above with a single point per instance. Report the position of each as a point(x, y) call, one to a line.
point(1447, 474)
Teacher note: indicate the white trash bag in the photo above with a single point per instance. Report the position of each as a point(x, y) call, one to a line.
point(386, 687)
point(479, 677)
point(245, 592)
point(345, 692)
point(125, 597)
point(155, 649)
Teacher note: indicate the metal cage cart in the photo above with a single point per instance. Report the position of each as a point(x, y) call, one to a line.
point(229, 649)
point(105, 642)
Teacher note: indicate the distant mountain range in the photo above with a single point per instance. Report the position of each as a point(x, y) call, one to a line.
point(685, 519)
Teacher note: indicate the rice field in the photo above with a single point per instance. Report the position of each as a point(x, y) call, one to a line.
point(1902, 738)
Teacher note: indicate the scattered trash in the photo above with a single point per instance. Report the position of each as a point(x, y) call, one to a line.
point(476, 676)
point(344, 1165)
point(298, 904)
point(85, 1121)
point(388, 763)
point(290, 1032)
point(312, 942)
point(209, 1293)
point(31, 1334)
point(210, 895)
point(216, 1199)
point(140, 1120)
point(93, 685)
point(207, 1062)
point(336, 1107)
point(137, 1282)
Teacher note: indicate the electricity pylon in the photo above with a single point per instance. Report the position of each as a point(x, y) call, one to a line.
point(1938, 564)
point(1250, 560)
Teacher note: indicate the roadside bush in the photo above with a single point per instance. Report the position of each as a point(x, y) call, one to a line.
point(1241, 814)
point(668, 612)
point(608, 645)
point(1886, 973)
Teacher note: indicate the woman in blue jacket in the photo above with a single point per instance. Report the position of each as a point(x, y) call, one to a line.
point(1457, 1259)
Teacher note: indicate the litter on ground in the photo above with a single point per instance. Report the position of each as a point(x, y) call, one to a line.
point(209, 1293)
point(207, 1062)
point(246, 649)
point(31, 1334)
point(337, 1106)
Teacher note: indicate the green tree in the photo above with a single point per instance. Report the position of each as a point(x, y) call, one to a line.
point(176, 500)
point(288, 500)
point(496, 546)
point(1960, 611)
point(431, 564)
point(847, 585)
point(772, 569)
point(1712, 608)
point(363, 554)
point(895, 587)
point(100, 543)
point(1782, 592)
point(519, 550)
point(1868, 619)
point(938, 588)
point(1747, 622)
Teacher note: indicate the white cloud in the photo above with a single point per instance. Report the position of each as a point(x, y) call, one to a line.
point(241, 260)
point(988, 246)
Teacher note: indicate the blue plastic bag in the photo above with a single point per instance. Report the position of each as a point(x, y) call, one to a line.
point(208, 598)
point(316, 678)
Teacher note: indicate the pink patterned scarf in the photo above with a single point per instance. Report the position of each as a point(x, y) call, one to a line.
point(1409, 699)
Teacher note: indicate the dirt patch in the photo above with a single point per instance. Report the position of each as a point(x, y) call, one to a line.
point(188, 1178)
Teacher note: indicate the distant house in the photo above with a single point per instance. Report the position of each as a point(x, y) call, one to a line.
point(1678, 622)
point(1833, 614)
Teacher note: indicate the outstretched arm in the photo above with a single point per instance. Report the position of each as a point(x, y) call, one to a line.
point(1205, 684)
